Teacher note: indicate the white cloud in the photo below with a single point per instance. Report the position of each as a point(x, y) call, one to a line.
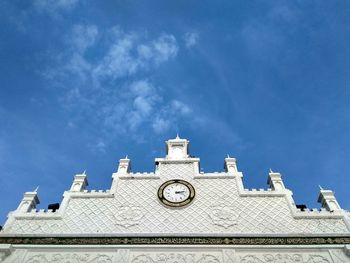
point(180, 107)
point(111, 89)
point(191, 39)
point(128, 56)
point(160, 125)
point(164, 48)
point(79, 66)
point(83, 37)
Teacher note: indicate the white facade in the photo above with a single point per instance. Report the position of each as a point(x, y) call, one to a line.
point(223, 223)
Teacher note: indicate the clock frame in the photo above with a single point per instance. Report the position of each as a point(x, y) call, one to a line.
point(169, 203)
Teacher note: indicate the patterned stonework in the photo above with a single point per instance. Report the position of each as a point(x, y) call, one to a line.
point(176, 255)
point(217, 208)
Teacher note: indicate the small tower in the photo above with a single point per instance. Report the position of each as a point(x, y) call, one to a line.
point(328, 200)
point(79, 183)
point(230, 164)
point(124, 166)
point(275, 181)
point(177, 149)
point(29, 201)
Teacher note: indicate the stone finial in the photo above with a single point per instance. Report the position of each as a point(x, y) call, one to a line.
point(124, 166)
point(230, 164)
point(275, 181)
point(328, 200)
point(79, 183)
point(29, 202)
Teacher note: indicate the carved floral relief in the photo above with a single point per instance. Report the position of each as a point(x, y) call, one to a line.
point(176, 258)
point(70, 258)
point(127, 216)
point(284, 258)
point(224, 216)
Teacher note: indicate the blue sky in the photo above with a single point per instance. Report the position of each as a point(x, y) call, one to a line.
point(84, 83)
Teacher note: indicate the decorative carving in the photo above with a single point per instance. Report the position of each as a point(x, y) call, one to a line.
point(37, 259)
point(70, 258)
point(176, 258)
point(283, 258)
point(142, 259)
point(338, 255)
point(176, 240)
point(229, 255)
point(208, 259)
point(128, 216)
point(122, 256)
point(224, 216)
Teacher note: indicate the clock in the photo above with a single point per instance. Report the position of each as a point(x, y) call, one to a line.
point(176, 193)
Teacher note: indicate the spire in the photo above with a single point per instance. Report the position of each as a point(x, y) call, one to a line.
point(36, 189)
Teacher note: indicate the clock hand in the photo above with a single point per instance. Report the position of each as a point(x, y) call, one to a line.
point(179, 192)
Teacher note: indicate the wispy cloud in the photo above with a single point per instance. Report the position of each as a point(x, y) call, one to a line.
point(83, 37)
point(112, 89)
point(191, 39)
point(129, 54)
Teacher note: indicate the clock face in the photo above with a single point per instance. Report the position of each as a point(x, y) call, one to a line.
point(176, 193)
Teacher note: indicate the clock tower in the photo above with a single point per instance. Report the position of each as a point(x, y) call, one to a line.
point(177, 149)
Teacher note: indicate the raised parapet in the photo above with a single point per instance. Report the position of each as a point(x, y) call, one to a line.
point(79, 183)
point(29, 202)
point(124, 166)
point(328, 200)
point(275, 181)
point(230, 164)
